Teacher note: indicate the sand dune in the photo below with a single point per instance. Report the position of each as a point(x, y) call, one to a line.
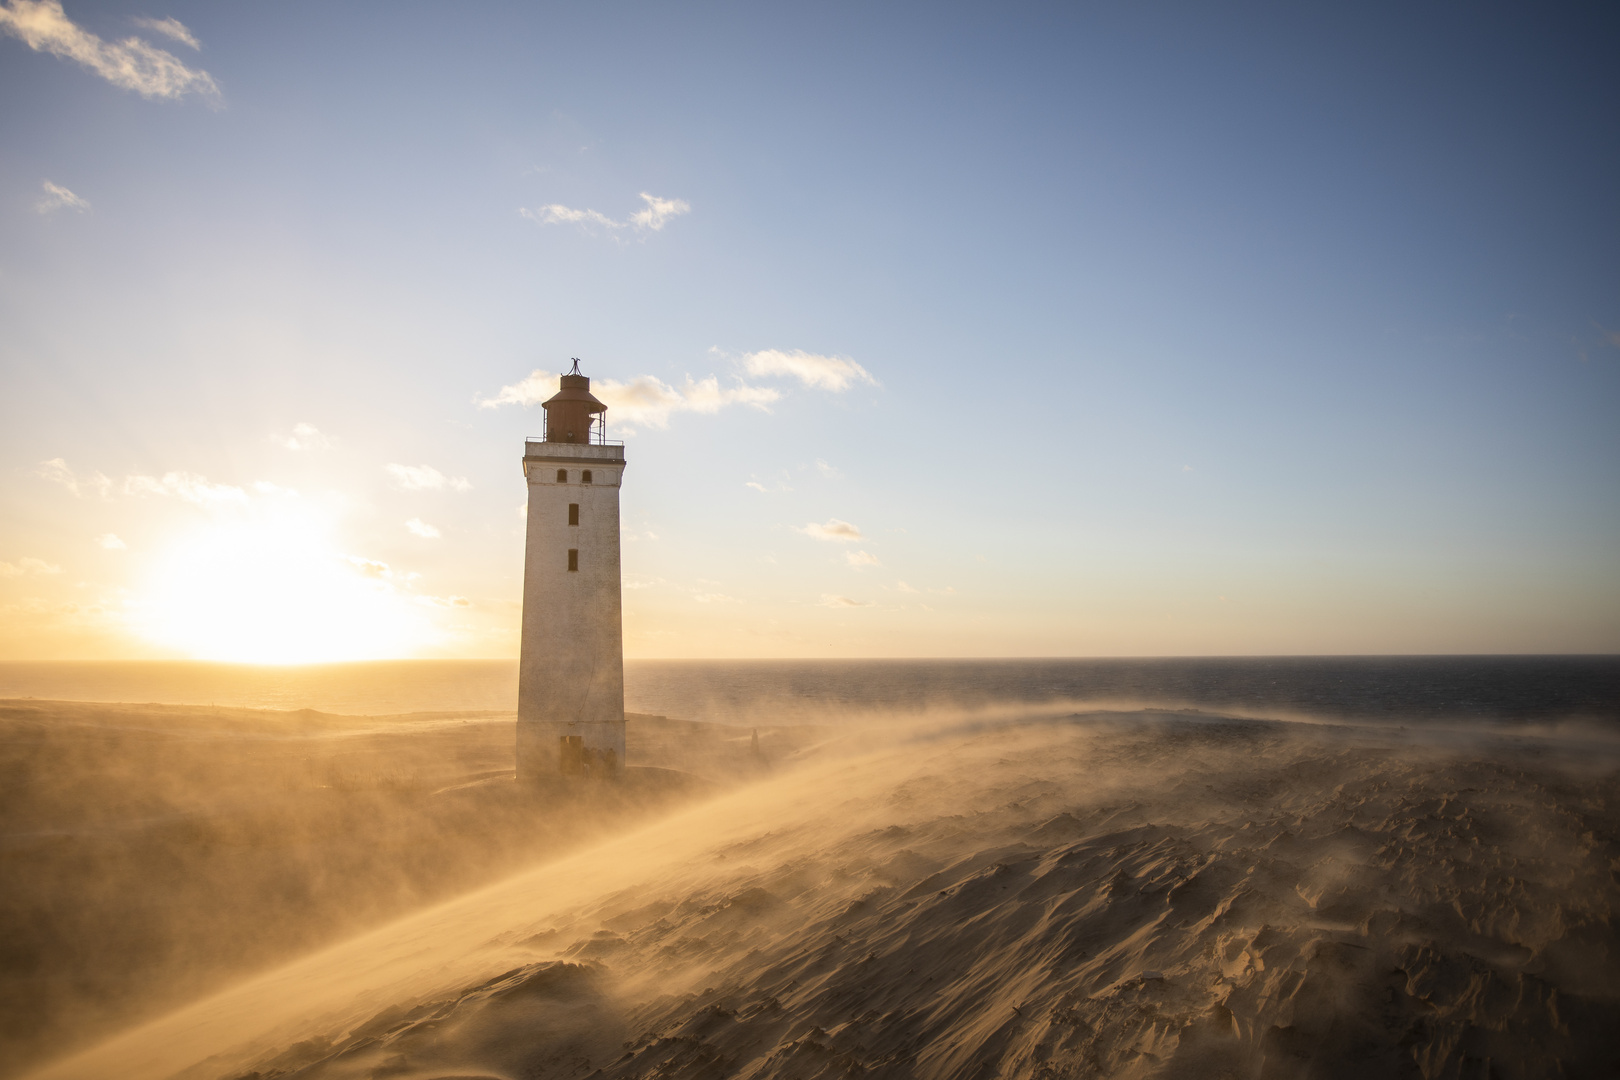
point(1105, 894)
point(151, 854)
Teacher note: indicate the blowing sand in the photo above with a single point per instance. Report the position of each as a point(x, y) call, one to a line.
point(1104, 894)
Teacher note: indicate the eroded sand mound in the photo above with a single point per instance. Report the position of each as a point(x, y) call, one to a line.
point(1106, 895)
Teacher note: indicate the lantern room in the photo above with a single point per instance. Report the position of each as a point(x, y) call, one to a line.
point(573, 415)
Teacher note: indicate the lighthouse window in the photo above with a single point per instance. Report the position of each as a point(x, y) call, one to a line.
point(573, 513)
point(573, 558)
point(585, 477)
point(562, 476)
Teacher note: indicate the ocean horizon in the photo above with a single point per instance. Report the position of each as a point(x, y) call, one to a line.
point(1494, 688)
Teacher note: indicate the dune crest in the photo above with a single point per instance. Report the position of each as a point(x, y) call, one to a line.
point(1110, 894)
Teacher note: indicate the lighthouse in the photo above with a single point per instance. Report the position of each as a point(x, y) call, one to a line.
point(571, 666)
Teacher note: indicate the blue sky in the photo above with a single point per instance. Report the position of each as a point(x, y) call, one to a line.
point(1112, 329)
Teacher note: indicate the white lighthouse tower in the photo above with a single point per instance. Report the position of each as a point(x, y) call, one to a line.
point(571, 670)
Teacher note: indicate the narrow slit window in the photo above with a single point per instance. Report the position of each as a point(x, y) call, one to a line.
point(573, 558)
point(562, 476)
point(585, 477)
point(573, 513)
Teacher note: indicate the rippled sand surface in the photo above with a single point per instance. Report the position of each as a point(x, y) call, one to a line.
point(1106, 894)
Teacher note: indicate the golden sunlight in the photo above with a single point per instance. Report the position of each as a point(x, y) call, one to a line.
point(276, 591)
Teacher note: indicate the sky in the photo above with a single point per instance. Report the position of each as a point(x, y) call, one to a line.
point(930, 330)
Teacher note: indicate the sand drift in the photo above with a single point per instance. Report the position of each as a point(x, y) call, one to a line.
point(1108, 894)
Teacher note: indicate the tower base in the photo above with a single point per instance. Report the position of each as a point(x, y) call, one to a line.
point(547, 752)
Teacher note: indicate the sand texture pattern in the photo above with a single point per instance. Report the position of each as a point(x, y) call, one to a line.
point(1111, 895)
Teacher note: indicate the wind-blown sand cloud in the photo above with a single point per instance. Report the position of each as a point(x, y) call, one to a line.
point(57, 197)
point(131, 64)
point(835, 529)
point(424, 478)
point(650, 218)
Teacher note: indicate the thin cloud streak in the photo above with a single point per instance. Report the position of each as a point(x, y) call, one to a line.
point(835, 530)
point(835, 373)
point(28, 567)
point(57, 471)
point(183, 485)
point(650, 218)
point(645, 400)
point(649, 401)
point(304, 437)
point(170, 28)
point(424, 478)
point(57, 197)
point(131, 64)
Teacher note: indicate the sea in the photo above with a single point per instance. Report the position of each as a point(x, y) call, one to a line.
point(1406, 689)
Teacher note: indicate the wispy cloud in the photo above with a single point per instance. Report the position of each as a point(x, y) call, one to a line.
point(835, 530)
point(131, 64)
point(422, 529)
point(558, 214)
point(823, 372)
point(371, 568)
point(534, 388)
point(424, 478)
point(444, 601)
point(833, 601)
point(28, 567)
point(827, 471)
point(183, 485)
point(57, 197)
point(658, 211)
point(180, 485)
point(57, 471)
point(758, 485)
point(901, 586)
point(648, 401)
point(860, 559)
point(645, 400)
point(111, 542)
point(304, 437)
point(170, 28)
point(650, 218)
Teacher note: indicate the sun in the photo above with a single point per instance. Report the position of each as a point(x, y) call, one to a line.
point(276, 590)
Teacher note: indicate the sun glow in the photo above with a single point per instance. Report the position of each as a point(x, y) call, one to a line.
point(275, 590)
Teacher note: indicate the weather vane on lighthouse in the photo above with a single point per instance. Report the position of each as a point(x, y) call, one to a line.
point(571, 666)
